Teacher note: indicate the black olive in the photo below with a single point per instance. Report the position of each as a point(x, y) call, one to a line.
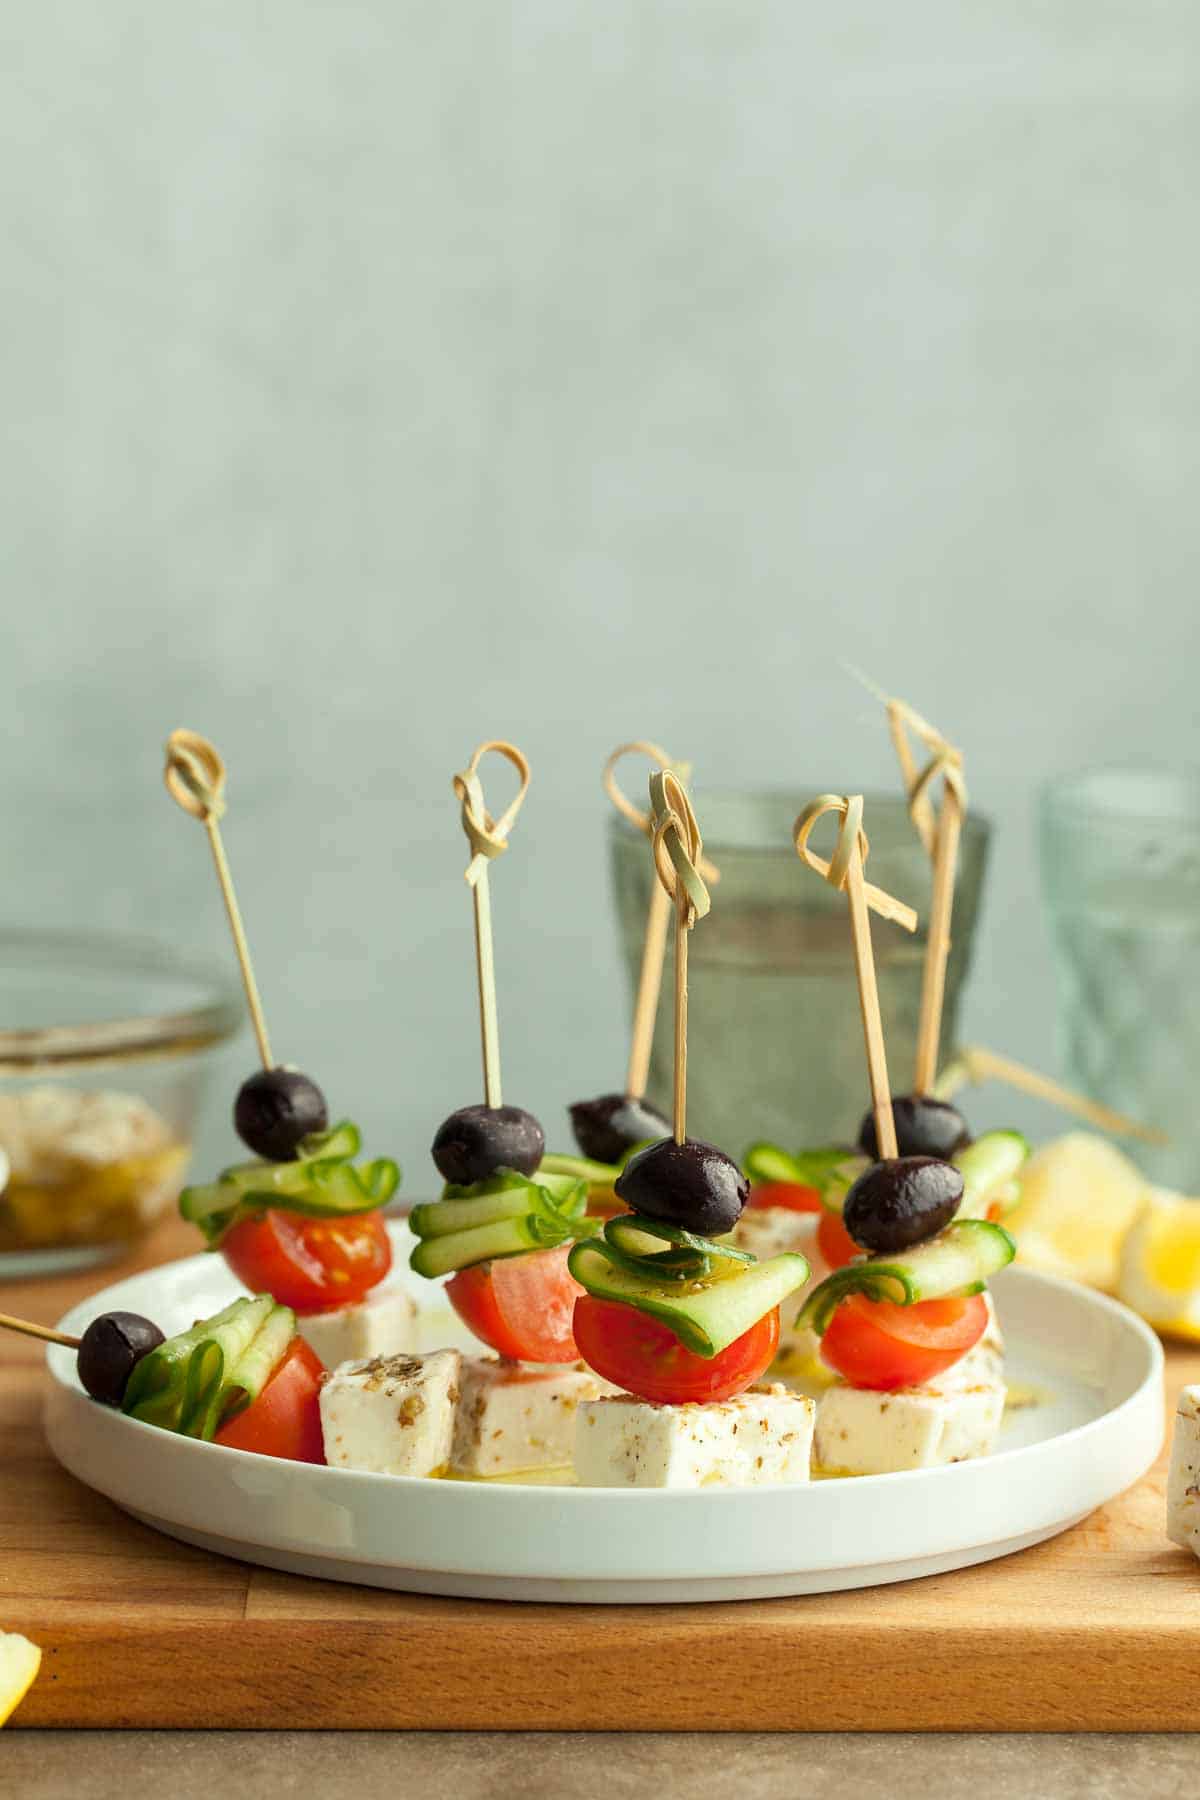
point(692, 1184)
point(608, 1127)
point(108, 1350)
point(475, 1141)
point(276, 1109)
point(896, 1204)
point(924, 1127)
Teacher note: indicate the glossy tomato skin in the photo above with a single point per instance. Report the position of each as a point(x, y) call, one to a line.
point(875, 1344)
point(793, 1196)
point(311, 1265)
point(834, 1241)
point(520, 1306)
point(285, 1420)
point(643, 1356)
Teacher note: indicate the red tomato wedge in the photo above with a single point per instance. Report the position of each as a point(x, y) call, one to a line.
point(520, 1305)
point(876, 1344)
point(285, 1420)
point(310, 1265)
point(834, 1241)
point(793, 1195)
point(643, 1356)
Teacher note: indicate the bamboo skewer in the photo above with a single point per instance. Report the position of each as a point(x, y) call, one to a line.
point(974, 1063)
point(28, 1329)
point(658, 915)
point(195, 779)
point(845, 871)
point(937, 947)
point(488, 838)
point(678, 860)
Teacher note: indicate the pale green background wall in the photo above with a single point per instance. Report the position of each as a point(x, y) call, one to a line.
point(381, 375)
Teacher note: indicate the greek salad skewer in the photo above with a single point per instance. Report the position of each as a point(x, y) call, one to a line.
point(902, 1315)
point(303, 1223)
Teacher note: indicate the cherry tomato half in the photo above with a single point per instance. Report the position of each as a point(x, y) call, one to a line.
point(310, 1265)
point(876, 1344)
point(643, 1356)
point(795, 1196)
point(520, 1305)
point(285, 1420)
point(834, 1241)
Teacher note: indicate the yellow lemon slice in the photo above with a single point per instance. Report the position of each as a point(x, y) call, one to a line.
point(1160, 1263)
point(19, 1663)
point(1079, 1197)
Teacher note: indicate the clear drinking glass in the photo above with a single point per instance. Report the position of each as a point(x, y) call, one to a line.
point(775, 1042)
point(1120, 860)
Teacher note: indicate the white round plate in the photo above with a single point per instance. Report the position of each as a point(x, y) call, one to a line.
point(1096, 1427)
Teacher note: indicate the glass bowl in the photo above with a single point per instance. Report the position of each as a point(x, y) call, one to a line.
point(105, 1046)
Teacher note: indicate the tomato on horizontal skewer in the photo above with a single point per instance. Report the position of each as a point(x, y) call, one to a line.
point(285, 1420)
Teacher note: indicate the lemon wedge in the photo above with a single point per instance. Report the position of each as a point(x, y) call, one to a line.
point(19, 1663)
point(1079, 1197)
point(1160, 1263)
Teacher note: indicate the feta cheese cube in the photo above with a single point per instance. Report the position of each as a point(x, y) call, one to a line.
point(1183, 1483)
point(861, 1432)
point(513, 1419)
point(381, 1325)
point(760, 1437)
point(393, 1415)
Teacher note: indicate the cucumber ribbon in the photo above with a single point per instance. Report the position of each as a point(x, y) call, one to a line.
point(954, 1264)
point(831, 1169)
point(322, 1183)
point(198, 1379)
point(502, 1216)
point(632, 1242)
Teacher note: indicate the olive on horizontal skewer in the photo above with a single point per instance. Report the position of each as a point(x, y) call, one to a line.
point(109, 1350)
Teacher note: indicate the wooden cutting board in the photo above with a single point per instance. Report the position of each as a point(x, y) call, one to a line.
point(1097, 1630)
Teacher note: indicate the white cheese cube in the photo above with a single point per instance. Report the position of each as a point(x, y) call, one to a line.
point(760, 1437)
point(383, 1324)
point(861, 1432)
point(513, 1419)
point(393, 1415)
point(1183, 1483)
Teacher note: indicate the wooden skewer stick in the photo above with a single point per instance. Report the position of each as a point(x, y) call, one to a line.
point(974, 1063)
point(678, 859)
point(28, 1329)
point(488, 838)
point(844, 871)
point(658, 914)
point(195, 780)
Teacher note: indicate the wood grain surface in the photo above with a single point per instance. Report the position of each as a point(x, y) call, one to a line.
point(1097, 1630)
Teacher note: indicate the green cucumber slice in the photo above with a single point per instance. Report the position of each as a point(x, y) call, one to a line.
point(192, 1381)
point(639, 1241)
point(324, 1186)
point(460, 1249)
point(443, 1218)
point(705, 1318)
point(765, 1162)
point(577, 1168)
point(956, 1262)
point(989, 1167)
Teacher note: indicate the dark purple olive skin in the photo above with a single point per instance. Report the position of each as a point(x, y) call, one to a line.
point(924, 1127)
point(108, 1350)
point(693, 1185)
point(898, 1203)
point(475, 1141)
point(276, 1109)
point(605, 1129)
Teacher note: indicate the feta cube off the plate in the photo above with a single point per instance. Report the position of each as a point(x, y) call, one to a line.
point(514, 1420)
point(383, 1324)
point(763, 1436)
point(1183, 1483)
point(862, 1432)
point(392, 1415)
